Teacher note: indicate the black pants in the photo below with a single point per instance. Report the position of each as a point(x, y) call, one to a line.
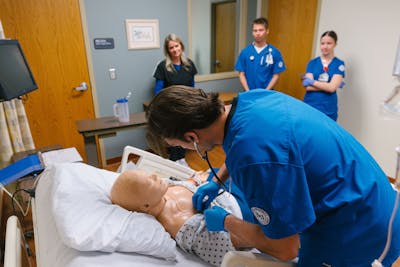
point(176, 152)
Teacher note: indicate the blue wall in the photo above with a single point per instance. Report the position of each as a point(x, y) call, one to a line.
point(134, 68)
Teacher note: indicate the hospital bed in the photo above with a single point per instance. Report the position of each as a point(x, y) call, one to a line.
point(55, 188)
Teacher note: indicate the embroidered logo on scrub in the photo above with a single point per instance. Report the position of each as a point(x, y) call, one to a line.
point(261, 215)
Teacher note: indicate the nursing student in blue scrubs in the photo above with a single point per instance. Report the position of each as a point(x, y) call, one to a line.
point(259, 64)
point(315, 192)
point(175, 69)
point(324, 76)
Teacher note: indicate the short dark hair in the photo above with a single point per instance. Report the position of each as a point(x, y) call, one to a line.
point(178, 109)
point(330, 34)
point(262, 21)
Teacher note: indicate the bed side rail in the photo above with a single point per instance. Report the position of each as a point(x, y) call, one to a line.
point(15, 253)
point(155, 164)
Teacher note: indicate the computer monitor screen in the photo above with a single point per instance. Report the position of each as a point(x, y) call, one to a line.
point(16, 78)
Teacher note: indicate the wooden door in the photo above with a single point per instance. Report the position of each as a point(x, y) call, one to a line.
point(292, 25)
point(224, 36)
point(50, 33)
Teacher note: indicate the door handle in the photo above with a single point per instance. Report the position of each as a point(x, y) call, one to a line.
point(82, 87)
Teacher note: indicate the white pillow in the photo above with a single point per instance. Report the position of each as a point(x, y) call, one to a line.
point(86, 219)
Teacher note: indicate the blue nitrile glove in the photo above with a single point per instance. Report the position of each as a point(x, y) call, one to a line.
point(308, 82)
point(342, 84)
point(215, 218)
point(204, 195)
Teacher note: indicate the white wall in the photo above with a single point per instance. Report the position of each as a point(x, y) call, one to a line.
point(368, 34)
point(201, 35)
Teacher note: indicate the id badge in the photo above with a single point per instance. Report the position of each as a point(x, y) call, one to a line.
point(324, 77)
point(269, 60)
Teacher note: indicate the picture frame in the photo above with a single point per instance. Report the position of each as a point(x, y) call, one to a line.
point(142, 33)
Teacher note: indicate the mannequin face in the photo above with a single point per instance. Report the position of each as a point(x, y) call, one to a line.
point(152, 188)
point(137, 190)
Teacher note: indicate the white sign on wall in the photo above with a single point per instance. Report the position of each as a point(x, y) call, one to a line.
point(2, 36)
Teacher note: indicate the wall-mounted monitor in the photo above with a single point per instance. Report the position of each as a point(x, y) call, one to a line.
point(16, 78)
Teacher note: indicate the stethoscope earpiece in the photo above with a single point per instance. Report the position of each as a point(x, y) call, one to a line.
point(204, 157)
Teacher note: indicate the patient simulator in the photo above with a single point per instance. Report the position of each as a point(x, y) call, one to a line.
point(170, 202)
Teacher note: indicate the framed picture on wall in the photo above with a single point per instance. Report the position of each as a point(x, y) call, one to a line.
point(142, 33)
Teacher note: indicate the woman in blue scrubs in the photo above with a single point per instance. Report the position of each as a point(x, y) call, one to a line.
point(324, 76)
point(313, 189)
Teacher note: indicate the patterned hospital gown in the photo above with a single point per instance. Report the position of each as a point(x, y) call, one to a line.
point(193, 237)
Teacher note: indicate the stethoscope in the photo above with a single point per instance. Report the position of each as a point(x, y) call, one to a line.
point(269, 60)
point(205, 157)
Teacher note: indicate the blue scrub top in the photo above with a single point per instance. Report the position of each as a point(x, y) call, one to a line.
point(302, 173)
point(260, 67)
point(324, 101)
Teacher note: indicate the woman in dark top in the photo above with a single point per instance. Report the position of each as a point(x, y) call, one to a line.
point(175, 69)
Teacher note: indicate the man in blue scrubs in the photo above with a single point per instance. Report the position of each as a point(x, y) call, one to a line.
point(259, 64)
point(314, 191)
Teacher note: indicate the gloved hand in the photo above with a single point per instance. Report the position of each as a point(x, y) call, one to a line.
point(204, 195)
point(215, 218)
point(342, 84)
point(308, 82)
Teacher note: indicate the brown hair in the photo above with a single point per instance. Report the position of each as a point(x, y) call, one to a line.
point(178, 109)
point(262, 21)
point(331, 34)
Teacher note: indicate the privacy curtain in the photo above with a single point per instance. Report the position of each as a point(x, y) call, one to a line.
point(15, 134)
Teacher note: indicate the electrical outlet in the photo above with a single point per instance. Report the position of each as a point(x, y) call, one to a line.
point(113, 74)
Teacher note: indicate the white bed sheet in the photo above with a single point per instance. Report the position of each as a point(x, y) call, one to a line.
point(50, 251)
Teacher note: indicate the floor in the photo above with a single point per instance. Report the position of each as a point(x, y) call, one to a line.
point(216, 157)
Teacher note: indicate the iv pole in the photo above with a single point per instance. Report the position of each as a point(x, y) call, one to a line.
point(392, 105)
